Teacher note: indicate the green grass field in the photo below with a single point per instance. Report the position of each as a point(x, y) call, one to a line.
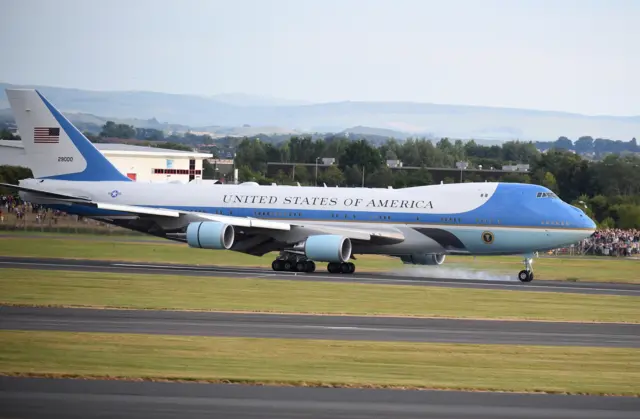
point(547, 268)
point(88, 289)
point(328, 363)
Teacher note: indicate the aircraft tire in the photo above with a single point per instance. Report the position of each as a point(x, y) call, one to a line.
point(276, 265)
point(310, 266)
point(525, 276)
point(333, 268)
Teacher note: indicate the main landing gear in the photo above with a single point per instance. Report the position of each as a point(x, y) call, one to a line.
point(292, 262)
point(293, 265)
point(341, 268)
point(526, 275)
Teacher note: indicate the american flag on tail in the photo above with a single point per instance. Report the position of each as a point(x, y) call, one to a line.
point(42, 135)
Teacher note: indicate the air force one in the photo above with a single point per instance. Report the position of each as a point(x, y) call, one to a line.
point(420, 225)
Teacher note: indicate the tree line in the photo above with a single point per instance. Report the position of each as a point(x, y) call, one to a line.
point(599, 147)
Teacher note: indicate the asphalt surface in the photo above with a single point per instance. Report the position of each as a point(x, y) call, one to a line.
point(61, 398)
point(320, 327)
point(365, 278)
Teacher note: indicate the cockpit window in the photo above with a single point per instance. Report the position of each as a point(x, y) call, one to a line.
point(547, 195)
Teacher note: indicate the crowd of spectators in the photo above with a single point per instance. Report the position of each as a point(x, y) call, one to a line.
point(612, 242)
point(11, 205)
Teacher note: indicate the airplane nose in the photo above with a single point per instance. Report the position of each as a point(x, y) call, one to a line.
point(591, 224)
point(582, 220)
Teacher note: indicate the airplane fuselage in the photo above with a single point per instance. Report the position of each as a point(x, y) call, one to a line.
point(469, 218)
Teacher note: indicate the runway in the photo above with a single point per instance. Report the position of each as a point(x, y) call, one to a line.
point(320, 327)
point(55, 398)
point(363, 278)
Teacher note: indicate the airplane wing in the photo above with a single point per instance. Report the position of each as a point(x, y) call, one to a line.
point(252, 227)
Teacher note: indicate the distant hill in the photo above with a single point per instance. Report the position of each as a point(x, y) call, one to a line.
point(241, 99)
point(361, 131)
point(415, 119)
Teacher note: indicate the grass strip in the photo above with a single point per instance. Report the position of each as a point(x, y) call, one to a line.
point(568, 269)
point(572, 370)
point(143, 291)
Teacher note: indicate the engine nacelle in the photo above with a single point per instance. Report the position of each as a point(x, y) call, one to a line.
point(426, 259)
point(328, 248)
point(210, 235)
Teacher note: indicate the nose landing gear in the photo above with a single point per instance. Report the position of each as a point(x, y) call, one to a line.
point(526, 275)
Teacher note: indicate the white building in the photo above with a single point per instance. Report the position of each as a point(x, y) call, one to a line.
point(516, 168)
point(143, 164)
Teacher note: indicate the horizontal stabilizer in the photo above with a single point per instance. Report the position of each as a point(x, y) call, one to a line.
point(46, 194)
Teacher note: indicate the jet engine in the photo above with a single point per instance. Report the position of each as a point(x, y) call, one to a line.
point(210, 235)
point(425, 259)
point(328, 248)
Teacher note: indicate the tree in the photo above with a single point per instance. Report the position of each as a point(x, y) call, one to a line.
point(584, 144)
point(563, 143)
point(353, 176)
point(208, 171)
point(380, 178)
point(360, 153)
point(608, 223)
point(111, 129)
point(332, 176)
point(301, 174)
point(549, 182)
point(628, 216)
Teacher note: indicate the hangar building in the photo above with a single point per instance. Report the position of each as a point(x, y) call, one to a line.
point(142, 164)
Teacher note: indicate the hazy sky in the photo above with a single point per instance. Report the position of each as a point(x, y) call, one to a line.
point(578, 56)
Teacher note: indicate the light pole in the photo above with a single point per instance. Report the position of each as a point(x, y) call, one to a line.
point(462, 165)
point(317, 158)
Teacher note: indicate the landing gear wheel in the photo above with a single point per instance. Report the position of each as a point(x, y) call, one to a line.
point(301, 267)
point(333, 268)
point(352, 267)
point(287, 266)
point(345, 268)
point(525, 276)
point(276, 265)
point(310, 266)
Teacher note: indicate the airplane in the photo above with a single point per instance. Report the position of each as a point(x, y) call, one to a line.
point(419, 225)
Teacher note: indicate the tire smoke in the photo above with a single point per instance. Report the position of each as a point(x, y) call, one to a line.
point(444, 272)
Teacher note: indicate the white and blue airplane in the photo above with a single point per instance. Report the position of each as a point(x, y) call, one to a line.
point(420, 225)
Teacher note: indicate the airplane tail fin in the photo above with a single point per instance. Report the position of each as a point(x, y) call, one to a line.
point(55, 148)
